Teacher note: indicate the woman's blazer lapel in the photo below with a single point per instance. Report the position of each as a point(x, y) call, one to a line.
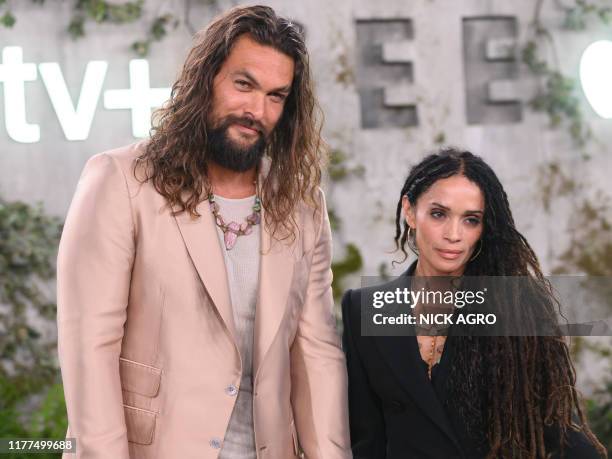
point(401, 353)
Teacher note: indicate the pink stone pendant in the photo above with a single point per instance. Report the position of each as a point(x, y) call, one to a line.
point(231, 235)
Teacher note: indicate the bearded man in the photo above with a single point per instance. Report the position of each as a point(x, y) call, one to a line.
point(195, 312)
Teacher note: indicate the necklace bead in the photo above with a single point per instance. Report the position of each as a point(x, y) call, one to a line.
point(232, 230)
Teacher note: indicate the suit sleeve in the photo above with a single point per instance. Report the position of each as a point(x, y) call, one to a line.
point(318, 370)
point(367, 427)
point(94, 263)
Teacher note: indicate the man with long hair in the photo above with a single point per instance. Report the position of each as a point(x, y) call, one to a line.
point(195, 312)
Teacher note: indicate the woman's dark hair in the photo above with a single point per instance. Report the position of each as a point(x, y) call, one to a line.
point(512, 387)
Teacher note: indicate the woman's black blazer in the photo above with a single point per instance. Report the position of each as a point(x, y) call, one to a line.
point(395, 411)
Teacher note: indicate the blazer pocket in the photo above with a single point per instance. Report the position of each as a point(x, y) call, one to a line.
point(138, 377)
point(140, 425)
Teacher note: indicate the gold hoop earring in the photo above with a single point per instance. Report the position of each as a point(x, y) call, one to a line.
point(478, 253)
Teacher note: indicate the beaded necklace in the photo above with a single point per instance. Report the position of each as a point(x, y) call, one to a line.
point(232, 230)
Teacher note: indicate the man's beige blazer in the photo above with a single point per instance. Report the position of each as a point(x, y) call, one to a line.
point(147, 343)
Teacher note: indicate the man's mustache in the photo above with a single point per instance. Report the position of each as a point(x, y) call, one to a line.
point(244, 121)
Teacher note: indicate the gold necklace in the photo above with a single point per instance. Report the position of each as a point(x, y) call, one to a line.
point(431, 356)
point(432, 353)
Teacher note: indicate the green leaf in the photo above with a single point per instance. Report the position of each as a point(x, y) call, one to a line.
point(96, 9)
point(337, 169)
point(8, 20)
point(141, 47)
point(50, 420)
point(158, 29)
point(28, 243)
point(575, 19)
point(76, 28)
point(128, 12)
point(351, 263)
point(334, 220)
point(605, 14)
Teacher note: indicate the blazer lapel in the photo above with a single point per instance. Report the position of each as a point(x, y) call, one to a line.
point(275, 276)
point(202, 242)
point(402, 355)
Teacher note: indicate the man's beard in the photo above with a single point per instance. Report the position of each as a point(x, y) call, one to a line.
point(228, 153)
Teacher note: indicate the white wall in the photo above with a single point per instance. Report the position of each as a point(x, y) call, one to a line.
point(47, 170)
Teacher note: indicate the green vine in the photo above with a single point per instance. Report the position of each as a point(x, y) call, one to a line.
point(337, 171)
point(48, 420)
point(590, 224)
point(383, 272)
point(101, 11)
point(351, 263)
point(553, 181)
point(558, 96)
point(8, 18)
point(344, 72)
point(113, 12)
point(334, 221)
point(157, 31)
point(337, 168)
point(28, 241)
point(589, 252)
point(578, 15)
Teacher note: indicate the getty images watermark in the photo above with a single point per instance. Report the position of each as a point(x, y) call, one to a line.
point(487, 306)
point(436, 305)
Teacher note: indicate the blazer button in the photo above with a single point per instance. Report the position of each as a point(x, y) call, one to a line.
point(215, 443)
point(231, 390)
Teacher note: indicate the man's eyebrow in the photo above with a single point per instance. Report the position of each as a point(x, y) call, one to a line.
point(283, 90)
point(246, 74)
point(467, 212)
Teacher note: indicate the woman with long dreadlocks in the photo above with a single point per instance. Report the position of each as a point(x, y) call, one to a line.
point(467, 396)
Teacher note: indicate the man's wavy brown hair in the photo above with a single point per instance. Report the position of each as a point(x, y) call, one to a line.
point(175, 158)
